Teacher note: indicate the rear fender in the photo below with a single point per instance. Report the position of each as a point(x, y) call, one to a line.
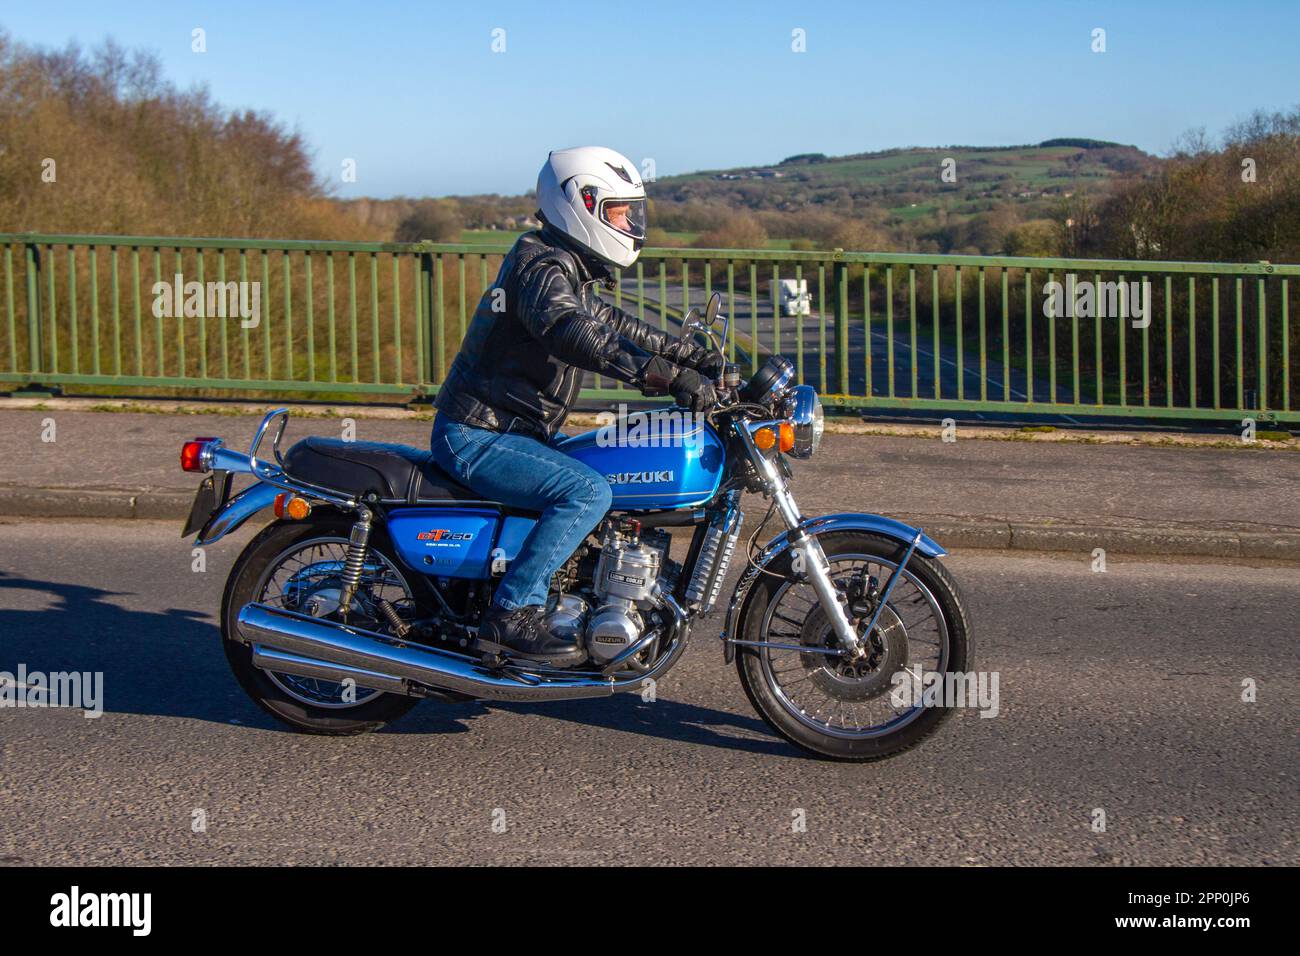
point(236, 511)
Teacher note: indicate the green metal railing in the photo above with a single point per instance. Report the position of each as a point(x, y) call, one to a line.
point(885, 330)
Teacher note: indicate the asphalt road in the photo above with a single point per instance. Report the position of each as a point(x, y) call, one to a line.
point(1119, 691)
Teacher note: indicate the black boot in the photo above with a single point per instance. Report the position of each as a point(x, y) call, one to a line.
point(522, 634)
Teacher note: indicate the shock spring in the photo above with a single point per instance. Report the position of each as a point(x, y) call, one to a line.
point(358, 542)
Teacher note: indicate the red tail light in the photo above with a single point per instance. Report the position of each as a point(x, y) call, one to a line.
point(192, 454)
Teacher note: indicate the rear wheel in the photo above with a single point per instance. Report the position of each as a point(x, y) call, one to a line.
point(298, 565)
point(853, 710)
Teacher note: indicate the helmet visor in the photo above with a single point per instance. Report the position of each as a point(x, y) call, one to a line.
point(627, 216)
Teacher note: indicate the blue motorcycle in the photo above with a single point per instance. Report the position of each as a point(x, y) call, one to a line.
point(363, 595)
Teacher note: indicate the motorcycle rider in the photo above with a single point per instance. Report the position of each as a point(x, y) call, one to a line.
point(537, 328)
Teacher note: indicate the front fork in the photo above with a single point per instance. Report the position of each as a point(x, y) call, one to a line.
point(810, 562)
point(809, 558)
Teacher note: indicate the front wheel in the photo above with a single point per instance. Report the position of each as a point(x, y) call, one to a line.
point(298, 566)
point(869, 708)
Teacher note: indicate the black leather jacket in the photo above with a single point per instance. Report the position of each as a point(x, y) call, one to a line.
point(535, 331)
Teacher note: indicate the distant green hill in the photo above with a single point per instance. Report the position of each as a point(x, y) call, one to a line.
point(908, 182)
point(893, 199)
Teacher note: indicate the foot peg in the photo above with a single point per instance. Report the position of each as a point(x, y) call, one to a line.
point(493, 655)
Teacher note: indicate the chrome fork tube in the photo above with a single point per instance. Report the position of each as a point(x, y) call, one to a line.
point(808, 553)
point(807, 549)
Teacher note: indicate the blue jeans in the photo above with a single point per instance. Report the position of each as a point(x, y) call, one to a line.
point(526, 473)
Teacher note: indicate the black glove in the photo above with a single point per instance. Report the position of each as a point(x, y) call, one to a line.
point(690, 354)
point(656, 376)
point(692, 390)
point(711, 365)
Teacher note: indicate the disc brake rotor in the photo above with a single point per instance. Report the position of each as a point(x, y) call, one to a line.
point(866, 677)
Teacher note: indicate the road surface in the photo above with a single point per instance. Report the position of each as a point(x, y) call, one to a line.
point(1119, 691)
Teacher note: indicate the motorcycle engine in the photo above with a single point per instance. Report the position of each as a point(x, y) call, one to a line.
point(623, 586)
point(611, 618)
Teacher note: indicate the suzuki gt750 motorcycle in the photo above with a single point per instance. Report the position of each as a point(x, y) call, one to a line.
point(363, 596)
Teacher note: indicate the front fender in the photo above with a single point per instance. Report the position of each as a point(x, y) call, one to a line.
point(904, 534)
point(236, 511)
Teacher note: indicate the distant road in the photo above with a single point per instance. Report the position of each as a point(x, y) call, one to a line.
point(782, 337)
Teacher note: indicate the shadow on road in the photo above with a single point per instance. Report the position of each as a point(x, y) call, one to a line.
point(666, 720)
point(166, 663)
point(170, 664)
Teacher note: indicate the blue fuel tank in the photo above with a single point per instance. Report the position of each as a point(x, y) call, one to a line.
point(654, 460)
point(665, 458)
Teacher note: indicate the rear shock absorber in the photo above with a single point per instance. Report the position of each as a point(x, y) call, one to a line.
point(358, 543)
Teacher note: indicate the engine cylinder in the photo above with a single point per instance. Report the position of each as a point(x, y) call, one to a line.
point(625, 580)
point(627, 572)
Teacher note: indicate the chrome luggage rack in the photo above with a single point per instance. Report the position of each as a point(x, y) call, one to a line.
point(272, 473)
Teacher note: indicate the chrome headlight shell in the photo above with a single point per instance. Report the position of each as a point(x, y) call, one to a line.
point(804, 410)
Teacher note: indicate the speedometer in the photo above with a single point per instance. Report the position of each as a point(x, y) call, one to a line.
point(772, 378)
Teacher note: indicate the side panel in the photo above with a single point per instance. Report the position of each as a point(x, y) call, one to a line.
point(456, 542)
point(513, 531)
point(658, 459)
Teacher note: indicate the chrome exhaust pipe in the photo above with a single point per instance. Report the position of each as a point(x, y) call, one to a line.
point(280, 662)
point(289, 642)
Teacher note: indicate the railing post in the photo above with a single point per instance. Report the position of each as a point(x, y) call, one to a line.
point(35, 336)
point(426, 295)
point(840, 281)
point(841, 284)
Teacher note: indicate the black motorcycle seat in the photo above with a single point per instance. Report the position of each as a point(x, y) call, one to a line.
point(364, 467)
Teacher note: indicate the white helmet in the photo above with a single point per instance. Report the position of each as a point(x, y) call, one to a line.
point(595, 197)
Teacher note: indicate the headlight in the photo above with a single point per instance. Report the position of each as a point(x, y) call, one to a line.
point(805, 412)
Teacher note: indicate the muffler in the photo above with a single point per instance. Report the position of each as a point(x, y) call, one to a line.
point(289, 642)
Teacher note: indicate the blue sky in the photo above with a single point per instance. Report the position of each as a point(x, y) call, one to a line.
point(414, 93)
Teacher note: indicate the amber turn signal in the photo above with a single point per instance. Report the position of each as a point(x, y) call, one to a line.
point(773, 436)
point(787, 436)
point(291, 506)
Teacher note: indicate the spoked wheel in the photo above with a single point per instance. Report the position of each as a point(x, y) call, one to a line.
point(298, 566)
point(308, 578)
point(859, 709)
